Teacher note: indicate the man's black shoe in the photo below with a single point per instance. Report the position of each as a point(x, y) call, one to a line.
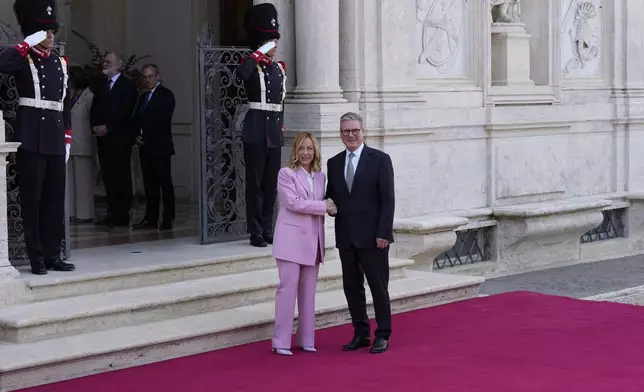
point(38, 268)
point(380, 345)
point(258, 241)
point(356, 343)
point(59, 265)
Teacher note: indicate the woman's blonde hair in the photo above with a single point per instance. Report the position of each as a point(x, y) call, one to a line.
point(297, 143)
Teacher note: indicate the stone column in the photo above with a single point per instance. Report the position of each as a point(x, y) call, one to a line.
point(350, 66)
point(11, 288)
point(286, 48)
point(317, 36)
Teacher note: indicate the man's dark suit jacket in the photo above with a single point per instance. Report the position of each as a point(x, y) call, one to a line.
point(154, 120)
point(114, 108)
point(367, 212)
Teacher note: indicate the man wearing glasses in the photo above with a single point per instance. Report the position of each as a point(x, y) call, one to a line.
point(361, 184)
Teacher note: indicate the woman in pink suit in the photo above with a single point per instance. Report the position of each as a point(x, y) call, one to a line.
point(298, 243)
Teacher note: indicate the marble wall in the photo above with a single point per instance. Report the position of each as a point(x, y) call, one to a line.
point(460, 143)
point(567, 136)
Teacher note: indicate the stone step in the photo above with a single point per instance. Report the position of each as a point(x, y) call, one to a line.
point(46, 361)
point(56, 286)
point(93, 312)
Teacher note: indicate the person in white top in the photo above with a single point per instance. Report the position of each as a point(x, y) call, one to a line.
point(81, 170)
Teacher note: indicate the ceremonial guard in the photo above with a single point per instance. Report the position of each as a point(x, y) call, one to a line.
point(262, 134)
point(43, 129)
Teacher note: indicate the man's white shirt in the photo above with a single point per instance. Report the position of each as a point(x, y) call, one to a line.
point(113, 80)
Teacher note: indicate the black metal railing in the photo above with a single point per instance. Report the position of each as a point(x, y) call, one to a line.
point(472, 246)
point(611, 227)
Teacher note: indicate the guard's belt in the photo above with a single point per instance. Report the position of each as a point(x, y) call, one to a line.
point(269, 107)
point(41, 104)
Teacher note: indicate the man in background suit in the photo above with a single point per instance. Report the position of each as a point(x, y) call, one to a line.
point(361, 184)
point(111, 119)
point(153, 121)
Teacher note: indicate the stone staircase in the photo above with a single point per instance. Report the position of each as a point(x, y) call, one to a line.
point(87, 324)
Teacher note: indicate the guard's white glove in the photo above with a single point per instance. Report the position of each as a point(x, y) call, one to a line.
point(266, 47)
point(68, 148)
point(35, 38)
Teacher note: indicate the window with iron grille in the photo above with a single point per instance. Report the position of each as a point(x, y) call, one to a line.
point(472, 246)
point(611, 227)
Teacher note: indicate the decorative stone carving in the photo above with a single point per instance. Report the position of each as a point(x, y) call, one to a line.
point(206, 36)
point(506, 11)
point(442, 28)
point(584, 38)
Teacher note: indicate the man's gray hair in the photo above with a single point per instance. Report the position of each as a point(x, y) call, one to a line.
point(120, 62)
point(351, 116)
point(152, 66)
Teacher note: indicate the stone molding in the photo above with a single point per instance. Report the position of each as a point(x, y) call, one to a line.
point(537, 234)
point(423, 238)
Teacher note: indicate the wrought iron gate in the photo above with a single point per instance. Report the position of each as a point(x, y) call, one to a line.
point(221, 112)
point(9, 106)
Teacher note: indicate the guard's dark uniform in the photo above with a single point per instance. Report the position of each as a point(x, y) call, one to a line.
point(262, 134)
point(43, 127)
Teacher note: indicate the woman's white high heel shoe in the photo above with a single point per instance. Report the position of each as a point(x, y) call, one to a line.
point(282, 351)
point(309, 349)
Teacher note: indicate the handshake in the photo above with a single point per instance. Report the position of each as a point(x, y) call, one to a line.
point(331, 209)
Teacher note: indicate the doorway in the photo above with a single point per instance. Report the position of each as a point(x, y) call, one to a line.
point(91, 29)
point(227, 18)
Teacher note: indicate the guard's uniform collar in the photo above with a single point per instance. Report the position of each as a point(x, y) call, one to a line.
point(41, 53)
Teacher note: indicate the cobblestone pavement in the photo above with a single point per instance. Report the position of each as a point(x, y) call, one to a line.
point(577, 281)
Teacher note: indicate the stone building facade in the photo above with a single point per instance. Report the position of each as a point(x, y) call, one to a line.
point(515, 141)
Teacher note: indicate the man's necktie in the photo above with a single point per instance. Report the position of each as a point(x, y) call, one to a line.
point(147, 99)
point(350, 172)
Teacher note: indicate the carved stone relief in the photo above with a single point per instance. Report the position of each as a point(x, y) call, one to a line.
point(506, 11)
point(442, 32)
point(583, 35)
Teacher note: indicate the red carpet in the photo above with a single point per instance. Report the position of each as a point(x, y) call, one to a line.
point(515, 342)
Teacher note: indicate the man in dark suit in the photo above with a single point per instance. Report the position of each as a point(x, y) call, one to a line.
point(361, 184)
point(153, 121)
point(111, 119)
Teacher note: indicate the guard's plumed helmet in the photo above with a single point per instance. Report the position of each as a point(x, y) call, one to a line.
point(261, 24)
point(36, 15)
